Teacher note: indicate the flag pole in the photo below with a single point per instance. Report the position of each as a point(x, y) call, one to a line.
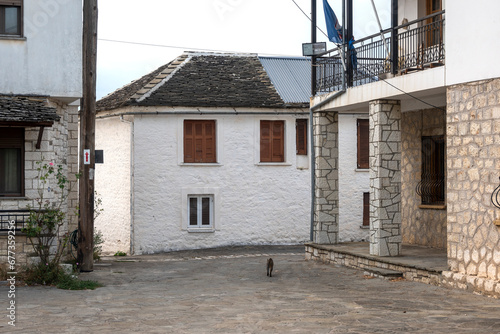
point(380, 27)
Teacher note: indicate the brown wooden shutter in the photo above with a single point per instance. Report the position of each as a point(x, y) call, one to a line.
point(199, 141)
point(265, 141)
point(278, 140)
point(301, 136)
point(272, 141)
point(366, 209)
point(188, 141)
point(363, 144)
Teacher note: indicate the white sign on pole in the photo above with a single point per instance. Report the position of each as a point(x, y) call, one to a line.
point(86, 157)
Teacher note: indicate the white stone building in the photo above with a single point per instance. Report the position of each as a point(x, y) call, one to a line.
point(40, 88)
point(189, 161)
point(147, 182)
point(434, 137)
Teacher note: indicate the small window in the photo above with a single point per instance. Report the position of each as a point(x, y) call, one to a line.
point(272, 141)
point(200, 211)
point(11, 162)
point(366, 209)
point(301, 134)
point(199, 141)
point(431, 186)
point(363, 144)
point(10, 17)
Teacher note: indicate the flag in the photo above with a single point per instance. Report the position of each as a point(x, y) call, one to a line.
point(333, 26)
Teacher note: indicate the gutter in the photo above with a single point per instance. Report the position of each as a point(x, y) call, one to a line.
point(222, 113)
point(313, 155)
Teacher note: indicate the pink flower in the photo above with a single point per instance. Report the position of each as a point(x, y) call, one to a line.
point(51, 164)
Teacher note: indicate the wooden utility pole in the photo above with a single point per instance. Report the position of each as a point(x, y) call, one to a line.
point(87, 137)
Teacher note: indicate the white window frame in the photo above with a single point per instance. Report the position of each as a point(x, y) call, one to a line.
point(199, 213)
point(191, 192)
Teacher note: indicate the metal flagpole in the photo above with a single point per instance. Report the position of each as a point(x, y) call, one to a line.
point(380, 27)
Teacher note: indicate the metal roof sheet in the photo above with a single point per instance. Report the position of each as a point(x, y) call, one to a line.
point(291, 76)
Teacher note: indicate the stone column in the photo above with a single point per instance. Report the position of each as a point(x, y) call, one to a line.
point(326, 206)
point(385, 178)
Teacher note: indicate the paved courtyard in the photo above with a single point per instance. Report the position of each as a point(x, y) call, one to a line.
point(226, 290)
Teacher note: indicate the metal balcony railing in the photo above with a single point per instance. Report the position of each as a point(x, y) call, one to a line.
point(420, 44)
point(19, 217)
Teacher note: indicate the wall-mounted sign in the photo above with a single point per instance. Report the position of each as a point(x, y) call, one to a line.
point(86, 157)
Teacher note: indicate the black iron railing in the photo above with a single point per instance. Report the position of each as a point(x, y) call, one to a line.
point(495, 197)
point(19, 217)
point(420, 44)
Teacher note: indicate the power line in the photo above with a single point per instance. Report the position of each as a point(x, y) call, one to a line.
point(309, 18)
point(188, 48)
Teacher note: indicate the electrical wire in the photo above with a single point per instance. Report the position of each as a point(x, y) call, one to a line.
point(190, 48)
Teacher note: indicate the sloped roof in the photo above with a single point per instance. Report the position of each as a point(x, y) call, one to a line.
point(203, 80)
point(291, 76)
point(26, 109)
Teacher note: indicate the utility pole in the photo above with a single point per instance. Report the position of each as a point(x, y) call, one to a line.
point(87, 137)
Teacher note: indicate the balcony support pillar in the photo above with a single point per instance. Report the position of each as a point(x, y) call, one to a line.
point(385, 178)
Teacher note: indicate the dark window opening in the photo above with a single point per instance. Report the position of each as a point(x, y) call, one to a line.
point(431, 187)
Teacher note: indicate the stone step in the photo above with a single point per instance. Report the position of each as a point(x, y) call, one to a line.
point(381, 272)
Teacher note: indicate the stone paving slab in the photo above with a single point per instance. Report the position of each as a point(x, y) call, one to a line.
point(227, 291)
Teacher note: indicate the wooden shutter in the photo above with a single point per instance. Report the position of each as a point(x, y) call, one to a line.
point(363, 144)
point(301, 136)
point(278, 140)
point(272, 141)
point(199, 141)
point(366, 209)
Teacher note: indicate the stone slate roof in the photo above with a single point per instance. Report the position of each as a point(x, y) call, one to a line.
point(202, 80)
point(26, 109)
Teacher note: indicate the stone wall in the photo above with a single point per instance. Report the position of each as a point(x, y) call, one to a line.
point(419, 226)
point(385, 177)
point(326, 206)
point(473, 167)
point(59, 145)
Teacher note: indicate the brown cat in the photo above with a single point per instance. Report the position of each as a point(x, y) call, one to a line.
point(270, 265)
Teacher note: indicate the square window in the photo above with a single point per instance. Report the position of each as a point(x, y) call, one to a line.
point(272, 141)
point(431, 187)
point(11, 17)
point(200, 211)
point(11, 162)
point(199, 141)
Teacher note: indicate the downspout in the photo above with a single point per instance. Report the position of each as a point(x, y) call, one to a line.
point(313, 155)
point(131, 182)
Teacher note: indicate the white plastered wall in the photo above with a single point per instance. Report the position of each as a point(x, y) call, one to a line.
point(353, 182)
point(112, 183)
point(30, 67)
point(255, 203)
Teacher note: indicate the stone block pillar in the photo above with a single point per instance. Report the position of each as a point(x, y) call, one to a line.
point(385, 178)
point(326, 206)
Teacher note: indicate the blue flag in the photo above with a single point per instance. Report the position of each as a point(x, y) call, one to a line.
point(333, 26)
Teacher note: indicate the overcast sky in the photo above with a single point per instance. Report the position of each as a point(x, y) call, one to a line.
point(266, 27)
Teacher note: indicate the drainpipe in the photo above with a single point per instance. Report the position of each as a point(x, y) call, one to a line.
point(131, 123)
point(313, 156)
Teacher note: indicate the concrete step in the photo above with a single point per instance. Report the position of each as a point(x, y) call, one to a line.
point(381, 272)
